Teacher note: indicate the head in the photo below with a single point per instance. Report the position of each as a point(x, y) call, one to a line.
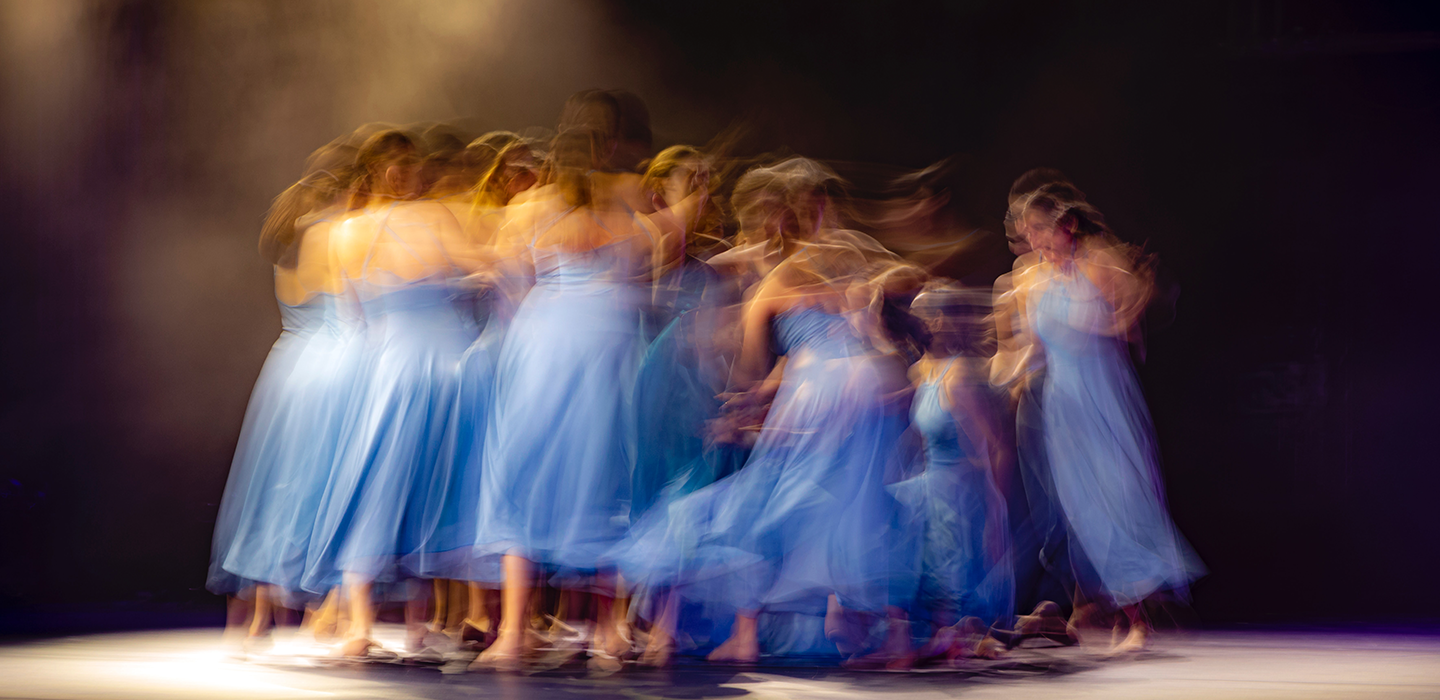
point(329, 173)
point(672, 174)
point(511, 172)
point(1054, 217)
point(788, 201)
point(574, 154)
point(478, 157)
point(634, 138)
point(956, 317)
point(1030, 181)
point(387, 165)
point(597, 114)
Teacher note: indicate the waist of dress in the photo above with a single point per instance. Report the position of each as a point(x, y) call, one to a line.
point(848, 351)
point(582, 282)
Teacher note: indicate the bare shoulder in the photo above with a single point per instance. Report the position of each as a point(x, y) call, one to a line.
point(422, 211)
point(1114, 256)
point(739, 257)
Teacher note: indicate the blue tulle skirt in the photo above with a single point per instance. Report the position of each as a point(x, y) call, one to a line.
point(558, 454)
point(377, 504)
point(807, 516)
point(293, 425)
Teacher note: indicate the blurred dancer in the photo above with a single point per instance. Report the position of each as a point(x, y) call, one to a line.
point(1080, 303)
point(450, 175)
point(559, 452)
point(398, 257)
point(293, 424)
point(964, 553)
point(448, 551)
point(778, 208)
point(682, 372)
point(1046, 567)
point(807, 517)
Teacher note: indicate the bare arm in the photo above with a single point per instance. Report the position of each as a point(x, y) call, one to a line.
point(1124, 288)
point(1015, 344)
point(754, 361)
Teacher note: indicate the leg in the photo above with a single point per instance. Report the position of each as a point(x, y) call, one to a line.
point(606, 646)
point(455, 598)
point(1139, 636)
point(416, 604)
point(238, 612)
point(443, 604)
point(607, 637)
point(509, 647)
point(479, 614)
point(362, 616)
point(743, 646)
point(260, 622)
point(661, 647)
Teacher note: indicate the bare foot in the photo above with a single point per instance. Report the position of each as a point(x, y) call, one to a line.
point(506, 654)
point(1088, 615)
point(1117, 633)
point(1133, 643)
point(256, 643)
point(989, 648)
point(842, 628)
point(1046, 623)
point(601, 662)
point(736, 650)
point(658, 653)
point(936, 646)
point(356, 648)
point(885, 659)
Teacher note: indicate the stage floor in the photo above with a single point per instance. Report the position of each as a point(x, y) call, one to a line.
point(1234, 664)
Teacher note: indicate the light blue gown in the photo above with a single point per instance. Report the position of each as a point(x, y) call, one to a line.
point(377, 505)
point(558, 454)
point(1101, 447)
point(676, 392)
point(447, 549)
point(287, 444)
point(965, 566)
point(808, 515)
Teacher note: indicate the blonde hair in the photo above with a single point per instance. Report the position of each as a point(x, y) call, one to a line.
point(490, 192)
point(329, 173)
point(382, 149)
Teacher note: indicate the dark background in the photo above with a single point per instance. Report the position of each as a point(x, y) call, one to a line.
point(1279, 156)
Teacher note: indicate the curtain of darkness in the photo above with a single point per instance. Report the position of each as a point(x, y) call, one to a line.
point(1280, 158)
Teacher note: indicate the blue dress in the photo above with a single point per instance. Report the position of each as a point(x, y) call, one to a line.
point(448, 541)
point(965, 565)
point(676, 393)
point(808, 515)
point(558, 454)
point(1101, 447)
point(377, 504)
point(287, 444)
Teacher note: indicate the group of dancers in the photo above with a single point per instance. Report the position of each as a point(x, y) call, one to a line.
point(537, 390)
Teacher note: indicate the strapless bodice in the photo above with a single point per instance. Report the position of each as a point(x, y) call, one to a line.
point(828, 335)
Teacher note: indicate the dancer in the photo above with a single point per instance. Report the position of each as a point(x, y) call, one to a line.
point(807, 517)
point(682, 372)
point(558, 455)
point(1080, 304)
point(1046, 567)
point(398, 257)
point(448, 549)
point(965, 567)
point(293, 424)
